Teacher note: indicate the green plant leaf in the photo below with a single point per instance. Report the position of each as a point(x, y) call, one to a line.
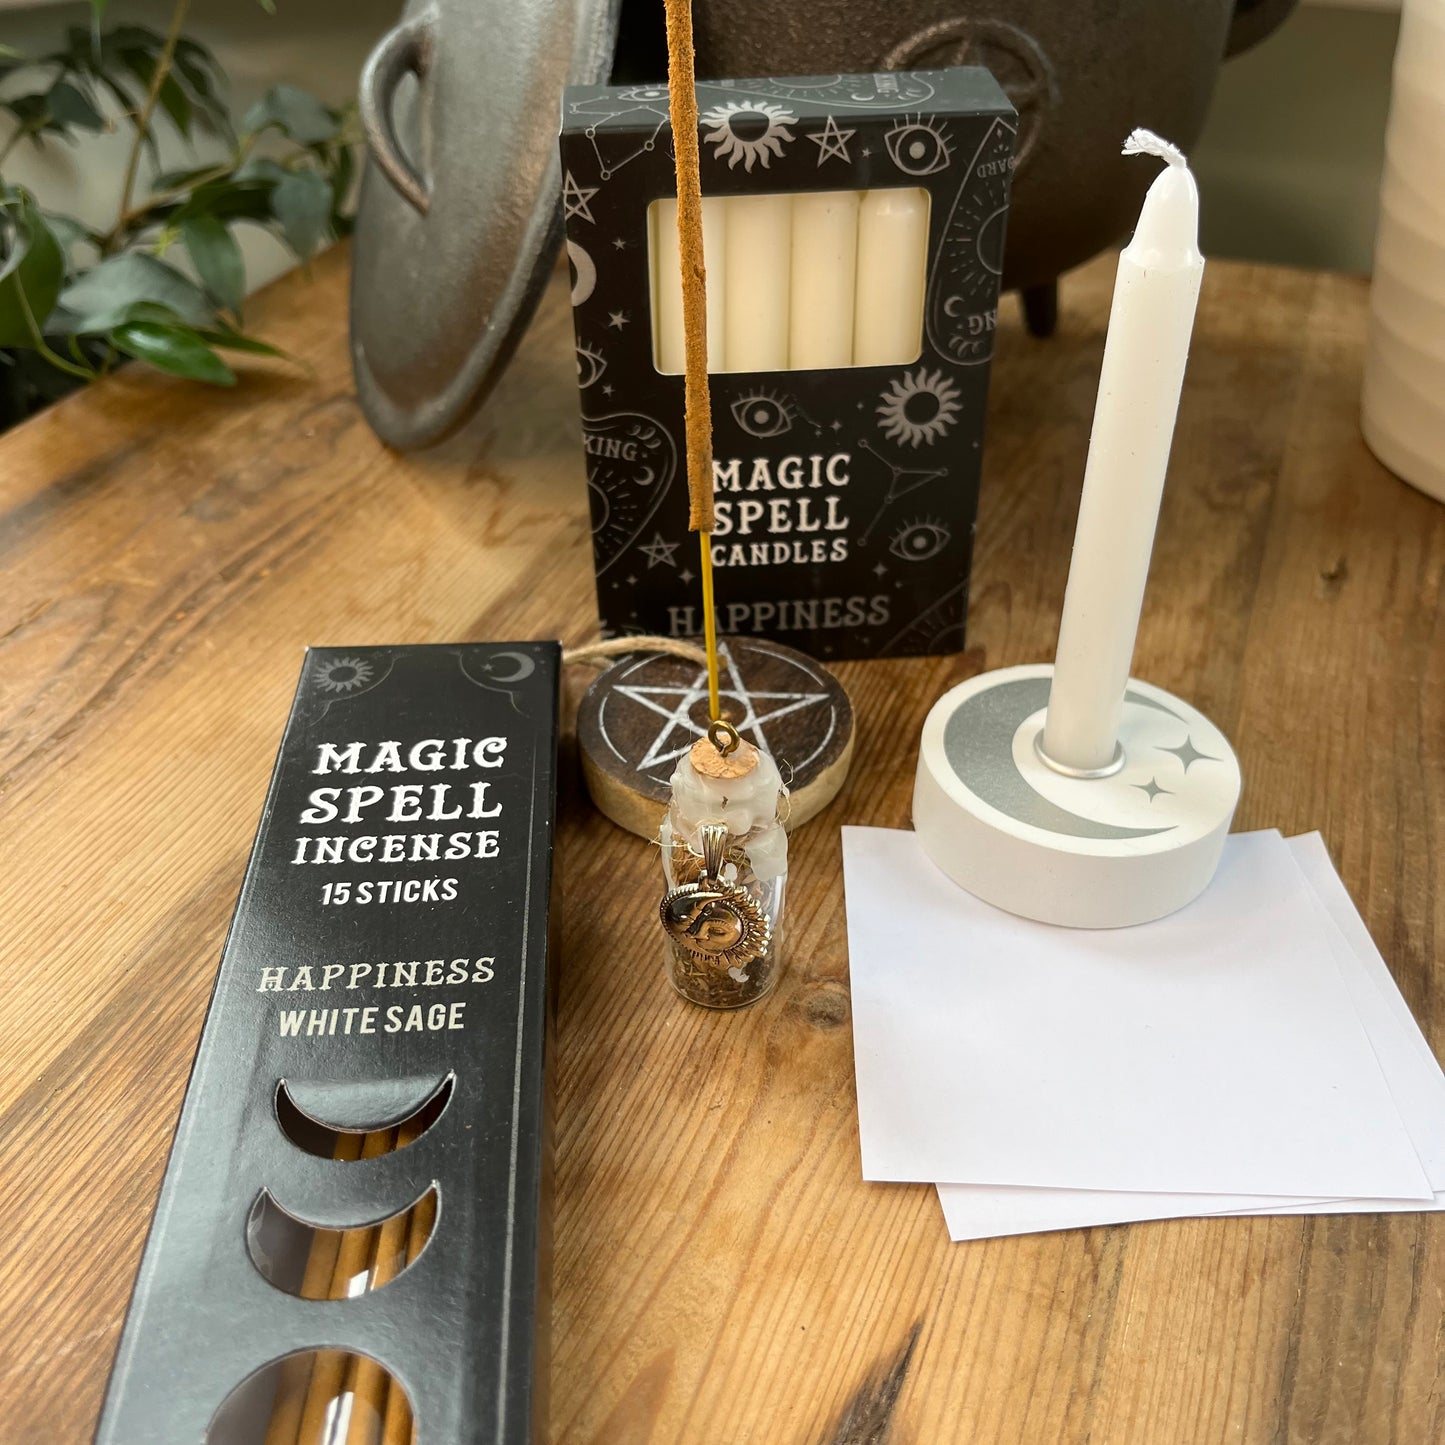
point(217, 259)
point(296, 113)
point(32, 272)
point(229, 340)
point(302, 203)
point(97, 301)
point(176, 349)
point(70, 107)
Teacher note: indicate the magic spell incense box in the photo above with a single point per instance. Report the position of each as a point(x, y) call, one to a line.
point(352, 1237)
point(853, 242)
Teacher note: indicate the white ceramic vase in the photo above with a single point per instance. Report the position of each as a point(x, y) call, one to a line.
point(1402, 407)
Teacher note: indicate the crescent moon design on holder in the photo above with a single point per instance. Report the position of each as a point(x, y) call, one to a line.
point(978, 743)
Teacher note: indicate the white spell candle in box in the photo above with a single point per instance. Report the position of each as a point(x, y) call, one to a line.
point(667, 280)
point(1155, 293)
point(757, 271)
point(825, 265)
point(892, 271)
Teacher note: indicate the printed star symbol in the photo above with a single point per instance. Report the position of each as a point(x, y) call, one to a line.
point(685, 575)
point(617, 319)
point(1187, 753)
point(659, 551)
point(575, 198)
point(880, 569)
point(832, 142)
point(757, 709)
point(618, 244)
point(607, 388)
point(1152, 789)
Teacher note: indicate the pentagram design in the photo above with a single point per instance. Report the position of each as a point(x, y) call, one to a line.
point(675, 705)
point(575, 198)
point(1018, 62)
point(659, 551)
point(832, 143)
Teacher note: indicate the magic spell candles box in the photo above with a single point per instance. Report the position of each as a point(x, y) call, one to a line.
point(853, 240)
point(352, 1237)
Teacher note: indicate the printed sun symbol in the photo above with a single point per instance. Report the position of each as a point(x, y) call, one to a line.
point(918, 409)
point(748, 133)
point(342, 674)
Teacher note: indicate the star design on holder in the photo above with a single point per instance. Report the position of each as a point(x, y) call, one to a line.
point(832, 143)
point(659, 551)
point(1152, 789)
point(685, 575)
point(606, 388)
point(618, 244)
point(1187, 753)
point(575, 198)
point(617, 319)
point(880, 569)
point(757, 708)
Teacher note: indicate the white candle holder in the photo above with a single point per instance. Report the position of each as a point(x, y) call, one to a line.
point(1027, 836)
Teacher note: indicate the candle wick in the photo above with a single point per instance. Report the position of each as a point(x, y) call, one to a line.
point(1143, 142)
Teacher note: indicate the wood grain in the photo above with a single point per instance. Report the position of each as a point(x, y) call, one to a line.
point(722, 1274)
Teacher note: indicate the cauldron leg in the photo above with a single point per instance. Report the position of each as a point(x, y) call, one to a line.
point(1041, 308)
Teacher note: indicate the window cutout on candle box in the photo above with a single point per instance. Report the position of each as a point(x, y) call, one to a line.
point(315, 1397)
point(809, 280)
point(332, 1120)
point(318, 1263)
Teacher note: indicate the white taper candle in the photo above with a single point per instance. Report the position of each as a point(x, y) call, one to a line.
point(892, 264)
point(667, 277)
point(757, 268)
point(825, 264)
point(1155, 293)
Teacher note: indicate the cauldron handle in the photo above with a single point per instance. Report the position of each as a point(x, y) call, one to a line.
point(1253, 21)
point(404, 50)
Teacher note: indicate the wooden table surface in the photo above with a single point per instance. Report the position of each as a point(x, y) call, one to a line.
point(722, 1273)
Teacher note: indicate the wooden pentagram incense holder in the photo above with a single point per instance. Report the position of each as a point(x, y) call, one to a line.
point(352, 1237)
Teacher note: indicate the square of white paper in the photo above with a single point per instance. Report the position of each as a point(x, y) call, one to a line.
point(1214, 1051)
point(1412, 1075)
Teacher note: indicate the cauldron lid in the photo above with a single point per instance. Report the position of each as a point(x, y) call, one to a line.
point(459, 216)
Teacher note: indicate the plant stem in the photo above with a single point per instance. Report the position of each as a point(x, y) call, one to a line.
point(128, 218)
point(143, 122)
point(57, 361)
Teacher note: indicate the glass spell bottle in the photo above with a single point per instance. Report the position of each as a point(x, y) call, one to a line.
point(725, 860)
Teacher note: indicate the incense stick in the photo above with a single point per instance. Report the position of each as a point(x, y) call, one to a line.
point(291, 1390)
point(321, 1415)
point(682, 104)
point(367, 1379)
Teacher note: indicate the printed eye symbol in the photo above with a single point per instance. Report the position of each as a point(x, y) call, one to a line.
point(919, 541)
point(762, 415)
point(590, 365)
point(917, 148)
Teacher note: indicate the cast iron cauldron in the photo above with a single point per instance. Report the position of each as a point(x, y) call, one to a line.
point(1082, 73)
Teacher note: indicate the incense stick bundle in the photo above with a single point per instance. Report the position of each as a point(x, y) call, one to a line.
point(332, 1397)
